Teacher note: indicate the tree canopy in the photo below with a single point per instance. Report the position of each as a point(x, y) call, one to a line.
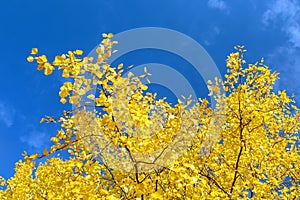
point(125, 143)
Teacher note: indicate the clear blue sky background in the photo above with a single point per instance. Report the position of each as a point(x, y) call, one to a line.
point(269, 29)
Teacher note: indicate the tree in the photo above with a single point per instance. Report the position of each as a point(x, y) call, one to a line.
point(256, 154)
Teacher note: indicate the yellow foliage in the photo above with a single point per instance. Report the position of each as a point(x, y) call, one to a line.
point(257, 146)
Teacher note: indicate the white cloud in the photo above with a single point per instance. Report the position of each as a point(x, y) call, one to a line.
point(286, 61)
point(286, 12)
point(294, 35)
point(286, 58)
point(216, 30)
point(35, 139)
point(218, 4)
point(7, 114)
point(285, 9)
point(211, 35)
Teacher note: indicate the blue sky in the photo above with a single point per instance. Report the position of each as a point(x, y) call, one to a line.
point(269, 29)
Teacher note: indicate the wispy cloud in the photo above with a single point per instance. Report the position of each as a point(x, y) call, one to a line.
point(35, 139)
point(287, 13)
point(286, 60)
point(7, 113)
point(218, 4)
point(211, 35)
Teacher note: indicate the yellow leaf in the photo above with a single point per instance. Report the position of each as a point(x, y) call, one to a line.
point(42, 120)
point(156, 195)
point(63, 100)
point(48, 69)
point(41, 59)
point(120, 66)
point(26, 159)
point(123, 138)
point(24, 153)
point(78, 52)
point(40, 67)
point(144, 87)
point(45, 152)
point(34, 156)
point(110, 35)
point(30, 59)
point(34, 51)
